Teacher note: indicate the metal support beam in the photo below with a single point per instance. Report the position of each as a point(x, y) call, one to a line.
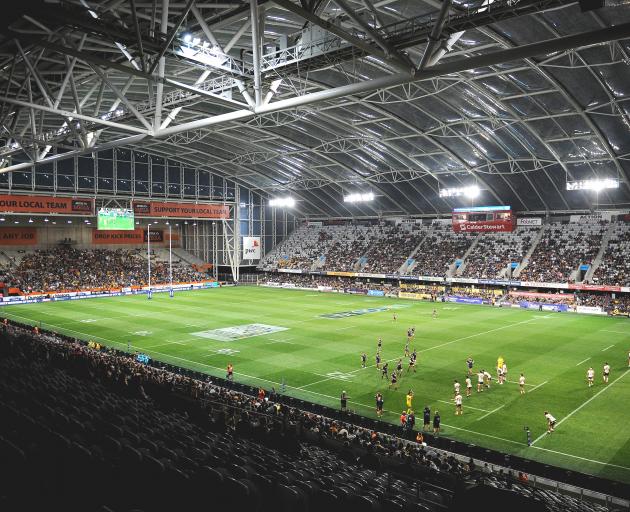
point(583, 39)
point(256, 54)
point(389, 50)
point(157, 117)
point(134, 18)
point(237, 36)
point(436, 32)
point(171, 36)
point(334, 29)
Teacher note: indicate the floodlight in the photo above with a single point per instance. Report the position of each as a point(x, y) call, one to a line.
point(282, 202)
point(470, 191)
point(187, 38)
point(358, 197)
point(596, 184)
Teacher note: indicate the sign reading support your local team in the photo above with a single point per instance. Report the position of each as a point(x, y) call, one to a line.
point(251, 247)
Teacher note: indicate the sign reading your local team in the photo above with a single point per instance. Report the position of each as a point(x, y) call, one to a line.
point(45, 204)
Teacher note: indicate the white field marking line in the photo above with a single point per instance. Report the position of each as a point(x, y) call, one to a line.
point(605, 349)
point(582, 458)
point(516, 382)
point(490, 412)
point(427, 349)
point(345, 328)
point(584, 404)
point(467, 406)
point(536, 387)
point(616, 332)
point(583, 361)
point(280, 341)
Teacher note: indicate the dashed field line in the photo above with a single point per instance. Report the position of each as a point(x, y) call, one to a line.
point(584, 361)
point(491, 412)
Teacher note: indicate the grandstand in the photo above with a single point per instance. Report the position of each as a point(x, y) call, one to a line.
point(314, 255)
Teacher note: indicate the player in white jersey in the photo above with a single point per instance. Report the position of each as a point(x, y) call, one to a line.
point(504, 372)
point(590, 376)
point(521, 384)
point(486, 379)
point(480, 381)
point(468, 386)
point(456, 387)
point(551, 422)
point(606, 372)
point(628, 358)
point(458, 404)
point(500, 375)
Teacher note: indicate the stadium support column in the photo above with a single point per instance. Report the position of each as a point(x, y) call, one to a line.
point(230, 240)
point(215, 252)
point(237, 232)
point(149, 258)
point(170, 259)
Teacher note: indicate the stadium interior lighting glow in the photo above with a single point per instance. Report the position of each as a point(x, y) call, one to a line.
point(358, 198)
point(594, 184)
point(282, 202)
point(187, 38)
point(471, 191)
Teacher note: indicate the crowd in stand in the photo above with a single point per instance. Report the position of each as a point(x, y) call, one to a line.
point(384, 248)
point(439, 250)
point(389, 251)
point(614, 269)
point(65, 268)
point(562, 248)
point(494, 252)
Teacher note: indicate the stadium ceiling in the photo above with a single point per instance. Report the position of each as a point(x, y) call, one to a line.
point(320, 98)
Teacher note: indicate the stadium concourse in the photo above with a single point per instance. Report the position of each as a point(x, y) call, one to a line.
point(221, 222)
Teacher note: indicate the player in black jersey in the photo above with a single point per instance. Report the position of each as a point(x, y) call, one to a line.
point(363, 360)
point(394, 381)
point(379, 404)
point(399, 367)
point(427, 417)
point(384, 371)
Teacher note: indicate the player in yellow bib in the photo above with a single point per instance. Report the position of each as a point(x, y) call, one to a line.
point(409, 400)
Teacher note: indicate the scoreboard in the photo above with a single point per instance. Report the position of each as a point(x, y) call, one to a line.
point(483, 219)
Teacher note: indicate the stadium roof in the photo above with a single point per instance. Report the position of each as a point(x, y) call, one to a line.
point(321, 98)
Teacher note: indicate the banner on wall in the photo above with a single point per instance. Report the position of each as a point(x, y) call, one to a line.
point(18, 236)
point(118, 237)
point(157, 235)
point(183, 210)
point(45, 204)
point(529, 221)
point(251, 247)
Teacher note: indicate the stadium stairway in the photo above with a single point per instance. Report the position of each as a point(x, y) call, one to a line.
point(600, 254)
point(528, 255)
point(407, 269)
point(459, 271)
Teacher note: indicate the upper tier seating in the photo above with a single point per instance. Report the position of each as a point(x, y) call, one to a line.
point(441, 247)
point(495, 251)
point(561, 249)
point(614, 269)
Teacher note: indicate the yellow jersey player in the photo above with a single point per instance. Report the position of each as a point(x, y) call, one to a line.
point(409, 400)
point(499, 364)
point(521, 384)
point(606, 372)
point(590, 376)
point(458, 405)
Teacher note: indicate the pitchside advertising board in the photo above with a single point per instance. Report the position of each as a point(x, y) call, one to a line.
point(251, 247)
point(483, 219)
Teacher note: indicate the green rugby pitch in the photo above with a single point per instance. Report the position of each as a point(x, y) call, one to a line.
point(319, 356)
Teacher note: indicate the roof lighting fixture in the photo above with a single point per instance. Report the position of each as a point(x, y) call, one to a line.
point(30, 221)
point(358, 197)
point(471, 191)
point(282, 202)
point(596, 184)
point(187, 38)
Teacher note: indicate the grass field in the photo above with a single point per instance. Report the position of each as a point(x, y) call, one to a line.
point(318, 357)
